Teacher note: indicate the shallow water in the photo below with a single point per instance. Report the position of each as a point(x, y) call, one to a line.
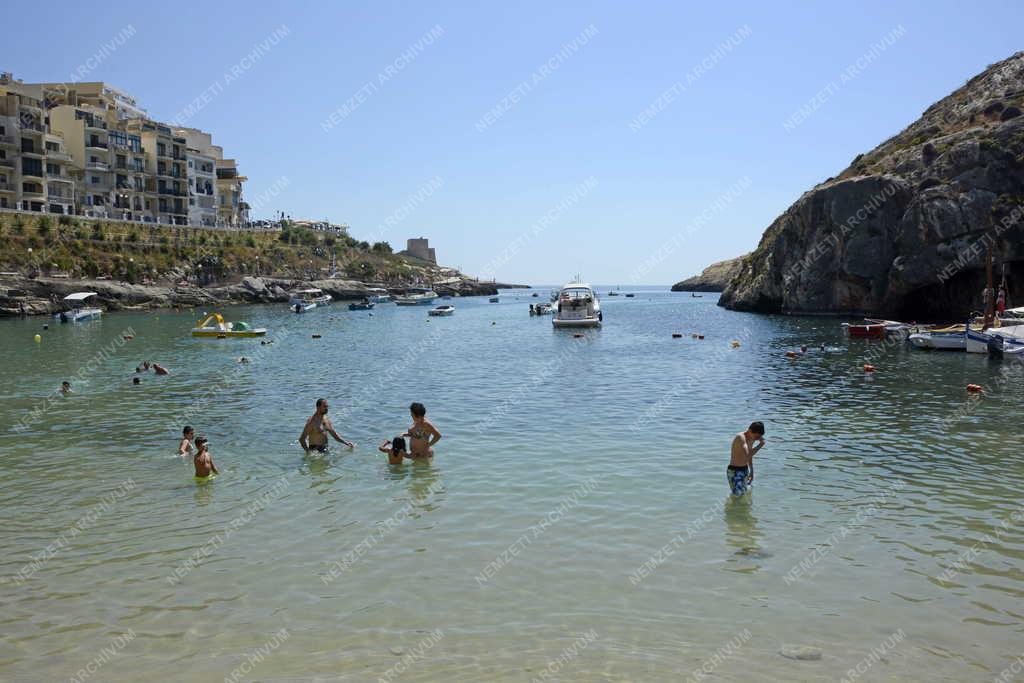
point(574, 522)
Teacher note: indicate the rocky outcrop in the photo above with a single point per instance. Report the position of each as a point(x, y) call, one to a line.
point(903, 232)
point(714, 278)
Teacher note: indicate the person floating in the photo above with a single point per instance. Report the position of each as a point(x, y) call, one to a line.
point(136, 380)
point(203, 460)
point(395, 450)
point(187, 434)
point(65, 387)
point(740, 472)
point(318, 426)
point(142, 368)
point(422, 435)
point(160, 370)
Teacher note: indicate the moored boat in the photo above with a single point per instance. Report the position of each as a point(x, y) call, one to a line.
point(378, 295)
point(364, 305)
point(415, 296)
point(865, 331)
point(541, 309)
point(307, 299)
point(494, 300)
point(578, 306)
point(77, 311)
point(213, 325)
point(441, 310)
point(952, 338)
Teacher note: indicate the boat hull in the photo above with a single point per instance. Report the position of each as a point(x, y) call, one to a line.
point(78, 316)
point(939, 341)
point(206, 332)
point(576, 322)
point(977, 342)
point(360, 307)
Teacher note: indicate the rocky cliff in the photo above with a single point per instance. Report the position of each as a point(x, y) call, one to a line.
point(904, 230)
point(714, 278)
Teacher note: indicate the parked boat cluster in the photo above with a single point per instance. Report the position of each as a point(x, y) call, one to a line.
point(1004, 337)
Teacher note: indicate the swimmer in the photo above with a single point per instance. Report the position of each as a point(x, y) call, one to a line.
point(318, 426)
point(803, 349)
point(243, 359)
point(187, 434)
point(160, 370)
point(740, 472)
point(142, 368)
point(422, 435)
point(136, 380)
point(395, 450)
point(203, 461)
point(65, 387)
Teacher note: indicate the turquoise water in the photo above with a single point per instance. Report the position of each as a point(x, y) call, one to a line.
point(574, 522)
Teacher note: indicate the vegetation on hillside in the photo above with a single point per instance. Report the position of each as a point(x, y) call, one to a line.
point(81, 247)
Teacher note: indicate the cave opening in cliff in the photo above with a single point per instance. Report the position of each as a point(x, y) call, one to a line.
point(953, 300)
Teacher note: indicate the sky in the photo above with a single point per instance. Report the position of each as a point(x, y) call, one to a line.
point(629, 143)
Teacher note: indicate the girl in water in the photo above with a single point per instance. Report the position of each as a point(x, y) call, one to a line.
point(395, 450)
point(422, 435)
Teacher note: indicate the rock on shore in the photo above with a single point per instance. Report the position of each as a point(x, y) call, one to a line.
point(903, 231)
point(714, 278)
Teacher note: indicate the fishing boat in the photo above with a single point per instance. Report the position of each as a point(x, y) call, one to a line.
point(1004, 343)
point(77, 311)
point(364, 305)
point(630, 296)
point(612, 292)
point(865, 331)
point(441, 310)
point(980, 341)
point(494, 300)
point(213, 325)
point(307, 299)
point(416, 296)
point(578, 306)
point(378, 295)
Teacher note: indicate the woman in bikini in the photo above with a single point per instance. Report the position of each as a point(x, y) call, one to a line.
point(422, 435)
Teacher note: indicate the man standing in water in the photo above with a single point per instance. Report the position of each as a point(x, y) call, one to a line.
point(740, 472)
point(314, 435)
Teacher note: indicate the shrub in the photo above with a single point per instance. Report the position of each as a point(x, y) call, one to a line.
point(18, 226)
point(97, 232)
point(381, 248)
point(250, 242)
point(133, 236)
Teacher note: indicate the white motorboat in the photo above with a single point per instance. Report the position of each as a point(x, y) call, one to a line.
point(76, 310)
point(1003, 341)
point(441, 310)
point(578, 306)
point(307, 299)
point(541, 309)
point(951, 338)
point(377, 295)
point(416, 296)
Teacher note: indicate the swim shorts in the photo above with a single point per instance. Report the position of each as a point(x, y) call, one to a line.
point(737, 478)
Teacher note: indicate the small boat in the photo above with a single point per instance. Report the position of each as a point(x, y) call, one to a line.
point(441, 310)
point(213, 325)
point(535, 294)
point(308, 299)
point(950, 338)
point(542, 309)
point(694, 295)
point(364, 305)
point(494, 300)
point(578, 306)
point(630, 296)
point(1002, 345)
point(996, 341)
point(613, 293)
point(378, 295)
point(865, 331)
point(77, 311)
point(416, 296)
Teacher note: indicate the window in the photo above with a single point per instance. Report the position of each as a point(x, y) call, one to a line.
point(31, 167)
point(53, 169)
point(95, 179)
point(52, 147)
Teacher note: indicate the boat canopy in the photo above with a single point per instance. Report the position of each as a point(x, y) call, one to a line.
point(79, 296)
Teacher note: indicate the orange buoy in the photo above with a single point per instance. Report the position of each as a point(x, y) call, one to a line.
point(974, 389)
point(128, 337)
point(869, 368)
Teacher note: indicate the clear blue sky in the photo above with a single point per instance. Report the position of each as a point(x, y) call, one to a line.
point(420, 123)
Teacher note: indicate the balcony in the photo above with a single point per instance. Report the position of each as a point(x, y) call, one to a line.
point(162, 154)
point(6, 163)
point(96, 144)
point(7, 187)
point(97, 166)
point(59, 177)
point(168, 192)
point(32, 173)
point(57, 156)
point(8, 141)
point(32, 128)
point(60, 197)
point(94, 124)
point(35, 191)
point(32, 152)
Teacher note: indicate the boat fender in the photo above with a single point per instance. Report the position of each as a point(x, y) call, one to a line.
point(38, 338)
point(869, 368)
point(974, 389)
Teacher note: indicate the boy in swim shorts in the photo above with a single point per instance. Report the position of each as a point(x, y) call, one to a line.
point(203, 461)
point(740, 473)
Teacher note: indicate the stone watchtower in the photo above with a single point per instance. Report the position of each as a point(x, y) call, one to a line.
point(420, 248)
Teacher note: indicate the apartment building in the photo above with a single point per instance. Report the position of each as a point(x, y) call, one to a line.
point(90, 149)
